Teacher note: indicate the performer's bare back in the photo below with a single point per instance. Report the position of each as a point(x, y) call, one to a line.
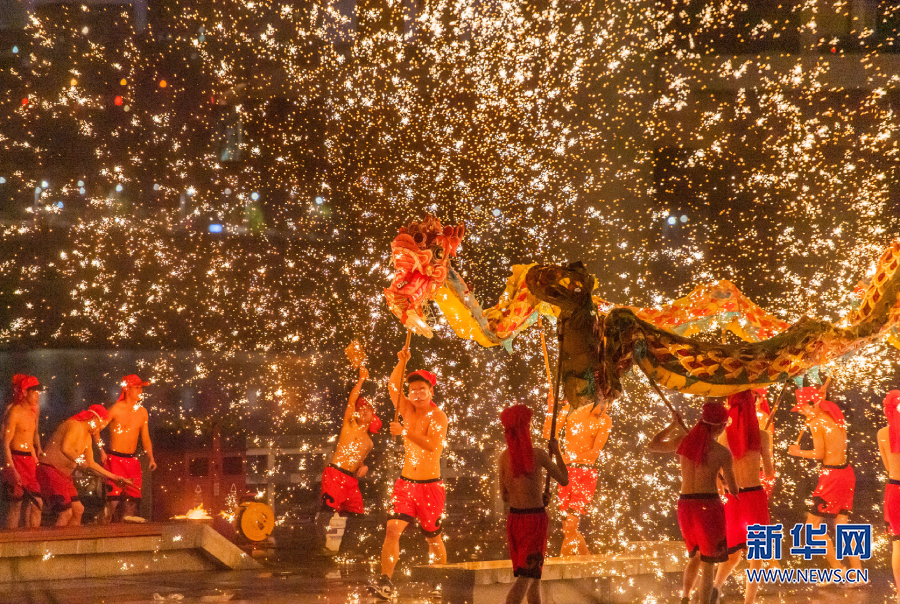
point(746, 469)
point(701, 478)
point(68, 446)
point(526, 491)
point(829, 440)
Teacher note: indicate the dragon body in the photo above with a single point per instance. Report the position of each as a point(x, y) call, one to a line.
point(602, 341)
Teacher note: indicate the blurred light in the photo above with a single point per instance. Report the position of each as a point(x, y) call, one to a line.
point(84, 30)
point(45, 184)
point(163, 83)
point(671, 220)
point(127, 107)
point(15, 50)
point(59, 204)
point(37, 190)
point(123, 82)
point(119, 188)
point(82, 190)
point(228, 191)
point(496, 212)
point(73, 82)
point(2, 180)
point(24, 101)
point(320, 201)
point(215, 228)
point(191, 191)
point(156, 187)
point(254, 195)
point(118, 100)
point(683, 218)
point(80, 183)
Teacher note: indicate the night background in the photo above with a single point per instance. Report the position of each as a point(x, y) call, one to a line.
point(205, 193)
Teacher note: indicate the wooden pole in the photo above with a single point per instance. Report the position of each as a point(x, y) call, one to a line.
point(663, 397)
point(776, 405)
point(397, 408)
point(546, 356)
point(560, 336)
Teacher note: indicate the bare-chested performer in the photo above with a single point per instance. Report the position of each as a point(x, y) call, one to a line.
point(701, 515)
point(70, 447)
point(521, 487)
point(340, 481)
point(128, 421)
point(889, 446)
point(419, 492)
point(763, 413)
point(750, 446)
point(586, 429)
point(21, 450)
point(833, 497)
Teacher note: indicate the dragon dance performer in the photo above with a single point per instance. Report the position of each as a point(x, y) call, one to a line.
point(521, 468)
point(889, 446)
point(701, 515)
point(587, 430)
point(340, 481)
point(128, 420)
point(763, 413)
point(833, 497)
point(21, 450)
point(419, 492)
point(70, 448)
point(749, 446)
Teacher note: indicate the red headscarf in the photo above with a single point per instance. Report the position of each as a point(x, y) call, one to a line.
point(891, 401)
point(375, 424)
point(421, 374)
point(696, 443)
point(810, 395)
point(516, 422)
point(743, 431)
point(98, 411)
point(21, 384)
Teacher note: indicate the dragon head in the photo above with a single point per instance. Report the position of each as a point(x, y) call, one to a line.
point(421, 256)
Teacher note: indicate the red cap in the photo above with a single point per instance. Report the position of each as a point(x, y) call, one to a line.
point(98, 411)
point(714, 411)
point(130, 381)
point(420, 375)
point(28, 381)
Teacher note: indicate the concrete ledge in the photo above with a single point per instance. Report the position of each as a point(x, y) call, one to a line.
point(89, 552)
point(619, 577)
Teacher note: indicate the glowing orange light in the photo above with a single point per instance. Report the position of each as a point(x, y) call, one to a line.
point(163, 83)
point(123, 81)
point(24, 101)
point(118, 100)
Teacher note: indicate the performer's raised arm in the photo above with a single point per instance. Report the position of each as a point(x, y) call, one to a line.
point(354, 394)
point(668, 439)
point(395, 385)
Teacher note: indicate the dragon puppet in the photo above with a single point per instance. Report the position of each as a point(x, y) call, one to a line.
point(602, 341)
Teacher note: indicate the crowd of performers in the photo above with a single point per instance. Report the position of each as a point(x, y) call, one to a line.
point(726, 456)
point(38, 479)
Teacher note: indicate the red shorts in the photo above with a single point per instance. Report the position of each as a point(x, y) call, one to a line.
point(422, 499)
point(751, 507)
point(892, 508)
point(340, 490)
point(701, 517)
point(834, 493)
point(26, 467)
point(527, 533)
point(57, 489)
point(126, 466)
point(579, 493)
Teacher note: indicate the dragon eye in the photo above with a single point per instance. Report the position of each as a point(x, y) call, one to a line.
point(438, 253)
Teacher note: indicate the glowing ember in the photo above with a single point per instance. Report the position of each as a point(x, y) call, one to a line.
point(197, 513)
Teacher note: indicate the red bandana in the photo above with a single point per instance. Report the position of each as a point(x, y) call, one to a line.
point(375, 424)
point(696, 443)
point(516, 422)
point(763, 402)
point(743, 431)
point(98, 411)
point(810, 395)
point(891, 401)
point(427, 375)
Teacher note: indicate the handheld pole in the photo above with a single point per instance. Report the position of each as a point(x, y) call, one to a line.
point(775, 406)
point(560, 336)
point(663, 397)
point(397, 408)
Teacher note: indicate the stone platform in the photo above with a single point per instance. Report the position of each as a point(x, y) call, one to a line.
point(622, 577)
point(116, 550)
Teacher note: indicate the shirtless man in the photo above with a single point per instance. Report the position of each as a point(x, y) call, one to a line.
point(419, 492)
point(701, 515)
point(521, 487)
point(128, 420)
point(763, 412)
point(750, 446)
point(833, 497)
point(889, 446)
point(21, 450)
point(70, 447)
point(586, 429)
point(340, 481)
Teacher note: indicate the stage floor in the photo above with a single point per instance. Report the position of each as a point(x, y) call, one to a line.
point(324, 583)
